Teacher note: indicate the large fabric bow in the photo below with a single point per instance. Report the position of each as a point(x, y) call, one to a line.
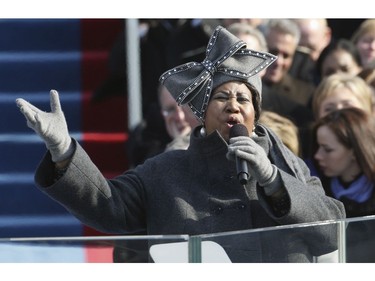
point(227, 59)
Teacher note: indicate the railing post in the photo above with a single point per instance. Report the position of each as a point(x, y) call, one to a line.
point(133, 70)
point(342, 241)
point(195, 249)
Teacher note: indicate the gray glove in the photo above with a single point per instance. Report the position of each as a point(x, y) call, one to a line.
point(50, 126)
point(259, 165)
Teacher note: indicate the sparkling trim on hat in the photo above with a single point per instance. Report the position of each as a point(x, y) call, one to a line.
point(213, 64)
point(200, 112)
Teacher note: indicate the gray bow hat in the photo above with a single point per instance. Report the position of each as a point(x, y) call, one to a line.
point(227, 59)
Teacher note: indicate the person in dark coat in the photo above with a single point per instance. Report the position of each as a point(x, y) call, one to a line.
point(196, 191)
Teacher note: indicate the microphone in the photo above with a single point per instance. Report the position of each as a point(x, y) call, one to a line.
point(241, 165)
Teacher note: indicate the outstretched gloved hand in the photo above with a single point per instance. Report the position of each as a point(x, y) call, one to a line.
point(50, 126)
point(259, 165)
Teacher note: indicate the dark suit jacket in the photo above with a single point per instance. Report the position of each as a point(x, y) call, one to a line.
point(291, 98)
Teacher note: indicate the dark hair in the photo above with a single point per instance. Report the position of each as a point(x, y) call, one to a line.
point(355, 129)
point(341, 44)
point(256, 101)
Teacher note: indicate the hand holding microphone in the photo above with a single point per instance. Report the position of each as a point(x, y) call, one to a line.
point(243, 149)
point(50, 126)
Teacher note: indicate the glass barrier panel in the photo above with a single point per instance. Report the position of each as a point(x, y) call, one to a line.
point(108, 249)
point(350, 240)
point(297, 243)
point(360, 240)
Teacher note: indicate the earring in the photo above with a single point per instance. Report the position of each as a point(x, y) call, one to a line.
point(203, 131)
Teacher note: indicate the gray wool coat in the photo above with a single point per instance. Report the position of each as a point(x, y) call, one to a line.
point(195, 191)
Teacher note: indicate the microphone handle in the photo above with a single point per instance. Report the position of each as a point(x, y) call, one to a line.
point(243, 177)
point(242, 172)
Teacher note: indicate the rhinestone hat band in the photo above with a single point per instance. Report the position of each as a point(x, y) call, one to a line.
point(227, 59)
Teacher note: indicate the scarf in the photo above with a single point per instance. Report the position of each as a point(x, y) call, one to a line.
point(359, 190)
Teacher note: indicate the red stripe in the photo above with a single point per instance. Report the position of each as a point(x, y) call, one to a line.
point(105, 137)
point(99, 254)
point(104, 124)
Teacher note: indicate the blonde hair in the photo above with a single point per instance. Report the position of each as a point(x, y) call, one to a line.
point(359, 88)
point(284, 128)
point(365, 27)
point(368, 74)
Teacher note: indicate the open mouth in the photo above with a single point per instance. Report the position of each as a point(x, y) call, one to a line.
point(232, 121)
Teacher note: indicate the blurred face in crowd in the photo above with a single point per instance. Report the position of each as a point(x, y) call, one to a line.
point(251, 21)
point(251, 41)
point(315, 36)
point(366, 47)
point(334, 159)
point(283, 46)
point(341, 97)
point(231, 103)
point(179, 120)
point(340, 61)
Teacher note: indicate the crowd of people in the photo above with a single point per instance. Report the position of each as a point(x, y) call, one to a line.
point(306, 99)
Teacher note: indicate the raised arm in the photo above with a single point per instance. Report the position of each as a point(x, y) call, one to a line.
point(51, 127)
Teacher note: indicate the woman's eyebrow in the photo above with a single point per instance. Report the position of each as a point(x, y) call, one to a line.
point(221, 92)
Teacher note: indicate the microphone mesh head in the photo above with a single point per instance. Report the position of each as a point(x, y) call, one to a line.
point(238, 130)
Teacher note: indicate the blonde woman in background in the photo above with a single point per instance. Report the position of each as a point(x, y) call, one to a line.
point(339, 91)
point(364, 39)
point(334, 92)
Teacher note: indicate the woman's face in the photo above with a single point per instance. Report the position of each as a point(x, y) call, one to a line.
point(340, 61)
point(334, 159)
point(366, 48)
point(230, 103)
point(341, 97)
